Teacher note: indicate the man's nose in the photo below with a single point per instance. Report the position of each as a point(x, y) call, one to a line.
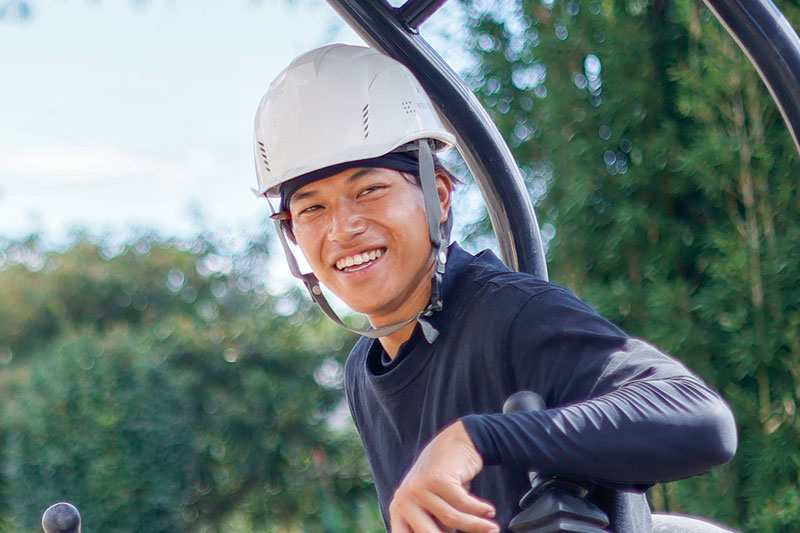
point(345, 224)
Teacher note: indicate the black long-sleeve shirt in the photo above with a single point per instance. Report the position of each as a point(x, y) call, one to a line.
point(618, 411)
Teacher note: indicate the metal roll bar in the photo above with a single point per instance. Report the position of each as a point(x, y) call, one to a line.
point(772, 45)
point(758, 27)
point(394, 32)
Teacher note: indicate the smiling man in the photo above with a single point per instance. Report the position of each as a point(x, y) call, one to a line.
point(346, 138)
point(365, 235)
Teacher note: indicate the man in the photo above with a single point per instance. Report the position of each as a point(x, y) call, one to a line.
point(345, 137)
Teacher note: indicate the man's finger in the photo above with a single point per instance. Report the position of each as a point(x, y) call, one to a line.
point(457, 518)
point(413, 519)
point(460, 498)
point(397, 525)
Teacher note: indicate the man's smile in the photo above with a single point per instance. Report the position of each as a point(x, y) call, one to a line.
point(358, 261)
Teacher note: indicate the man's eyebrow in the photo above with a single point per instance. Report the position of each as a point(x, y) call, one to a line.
point(355, 176)
point(300, 195)
point(361, 172)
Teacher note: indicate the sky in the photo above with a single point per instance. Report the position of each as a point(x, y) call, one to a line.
point(122, 115)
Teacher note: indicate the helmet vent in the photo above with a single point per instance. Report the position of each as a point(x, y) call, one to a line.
point(263, 155)
point(408, 107)
point(365, 119)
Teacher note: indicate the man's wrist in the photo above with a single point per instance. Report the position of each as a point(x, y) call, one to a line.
point(464, 439)
point(481, 439)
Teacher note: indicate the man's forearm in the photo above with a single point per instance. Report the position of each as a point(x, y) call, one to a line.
point(642, 433)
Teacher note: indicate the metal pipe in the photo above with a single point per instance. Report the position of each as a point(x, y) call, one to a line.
point(484, 150)
point(415, 12)
point(772, 45)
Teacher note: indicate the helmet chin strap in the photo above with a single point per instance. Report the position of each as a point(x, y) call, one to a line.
point(439, 236)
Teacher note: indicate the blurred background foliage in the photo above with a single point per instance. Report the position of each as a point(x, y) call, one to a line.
point(160, 386)
point(666, 184)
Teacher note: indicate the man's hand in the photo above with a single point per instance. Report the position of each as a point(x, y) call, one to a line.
point(434, 495)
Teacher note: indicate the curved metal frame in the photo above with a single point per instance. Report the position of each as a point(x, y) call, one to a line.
point(485, 151)
point(772, 45)
point(758, 26)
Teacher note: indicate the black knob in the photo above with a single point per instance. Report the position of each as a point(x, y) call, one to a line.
point(552, 504)
point(61, 518)
point(523, 401)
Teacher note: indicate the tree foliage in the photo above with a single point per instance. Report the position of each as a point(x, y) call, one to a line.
point(665, 182)
point(159, 387)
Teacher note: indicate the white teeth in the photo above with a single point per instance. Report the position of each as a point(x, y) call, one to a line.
point(358, 259)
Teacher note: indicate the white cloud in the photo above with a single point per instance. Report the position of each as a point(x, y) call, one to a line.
point(77, 164)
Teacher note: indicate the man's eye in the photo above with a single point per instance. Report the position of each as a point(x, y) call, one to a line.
point(370, 189)
point(310, 209)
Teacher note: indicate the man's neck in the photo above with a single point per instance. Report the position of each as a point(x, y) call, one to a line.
point(392, 343)
point(414, 302)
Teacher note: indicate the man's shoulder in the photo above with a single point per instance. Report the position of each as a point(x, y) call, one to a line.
point(359, 350)
point(483, 274)
point(362, 346)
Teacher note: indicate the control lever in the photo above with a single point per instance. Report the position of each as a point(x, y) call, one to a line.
point(61, 518)
point(552, 504)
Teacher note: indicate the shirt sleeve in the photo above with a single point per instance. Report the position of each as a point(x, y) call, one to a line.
point(618, 410)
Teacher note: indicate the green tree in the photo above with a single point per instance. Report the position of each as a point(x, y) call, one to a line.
point(160, 387)
point(665, 182)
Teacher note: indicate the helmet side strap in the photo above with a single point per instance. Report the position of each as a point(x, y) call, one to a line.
point(427, 178)
point(433, 213)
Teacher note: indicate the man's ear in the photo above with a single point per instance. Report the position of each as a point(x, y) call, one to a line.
point(444, 189)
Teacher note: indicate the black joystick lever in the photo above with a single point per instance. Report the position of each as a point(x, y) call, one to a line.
point(61, 518)
point(552, 504)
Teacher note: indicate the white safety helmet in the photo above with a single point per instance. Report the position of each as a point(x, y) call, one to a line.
point(335, 105)
point(345, 104)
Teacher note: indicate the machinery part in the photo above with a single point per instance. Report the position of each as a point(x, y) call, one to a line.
point(61, 518)
point(484, 150)
point(553, 504)
point(772, 45)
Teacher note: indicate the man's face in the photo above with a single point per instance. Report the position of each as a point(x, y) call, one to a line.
point(365, 235)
